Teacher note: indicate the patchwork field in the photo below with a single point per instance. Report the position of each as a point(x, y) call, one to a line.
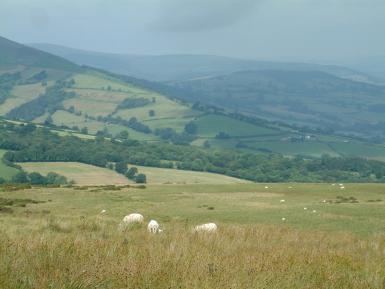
point(21, 94)
point(6, 172)
point(62, 240)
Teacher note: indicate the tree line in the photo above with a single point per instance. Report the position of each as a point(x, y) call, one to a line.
point(27, 143)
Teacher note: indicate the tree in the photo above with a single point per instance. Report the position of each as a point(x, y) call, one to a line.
point(151, 113)
point(2, 181)
point(123, 135)
point(222, 135)
point(84, 130)
point(37, 179)
point(191, 128)
point(121, 167)
point(131, 173)
point(141, 179)
point(20, 178)
point(56, 179)
point(206, 144)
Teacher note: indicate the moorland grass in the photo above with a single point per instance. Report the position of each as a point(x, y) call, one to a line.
point(64, 242)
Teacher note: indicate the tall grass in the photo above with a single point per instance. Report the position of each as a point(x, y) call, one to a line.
point(94, 254)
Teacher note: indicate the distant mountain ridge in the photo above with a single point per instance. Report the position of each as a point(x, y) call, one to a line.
point(185, 67)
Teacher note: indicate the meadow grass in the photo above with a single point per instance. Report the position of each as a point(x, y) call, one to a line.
point(63, 242)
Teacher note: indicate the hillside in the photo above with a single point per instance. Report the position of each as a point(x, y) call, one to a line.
point(184, 67)
point(16, 56)
point(91, 101)
point(309, 98)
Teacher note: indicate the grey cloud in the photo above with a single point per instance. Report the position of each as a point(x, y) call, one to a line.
point(199, 15)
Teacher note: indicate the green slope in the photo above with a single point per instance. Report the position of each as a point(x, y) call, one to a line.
point(308, 98)
point(13, 54)
point(52, 90)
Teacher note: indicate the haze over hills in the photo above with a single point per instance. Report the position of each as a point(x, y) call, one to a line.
point(185, 67)
point(94, 101)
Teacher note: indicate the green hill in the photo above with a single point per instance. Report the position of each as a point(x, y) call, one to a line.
point(311, 98)
point(44, 89)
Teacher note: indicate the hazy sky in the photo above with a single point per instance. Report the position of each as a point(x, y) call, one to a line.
point(293, 30)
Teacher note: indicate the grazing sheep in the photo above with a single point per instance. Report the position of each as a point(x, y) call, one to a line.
point(103, 212)
point(130, 219)
point(153, 227)
point(210, 227)
point(314, 211)
point(282, 201)
point(342, 187)
point(283, 219)
point(133, 218)
point(305, 209)
point(266, 187)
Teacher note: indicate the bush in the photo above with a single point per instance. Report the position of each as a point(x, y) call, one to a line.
point(141, 179)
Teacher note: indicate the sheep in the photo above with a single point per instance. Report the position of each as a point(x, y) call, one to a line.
point(266, 187)
point(133, 218)
point(283, 219)
point(314, 211)
point(282, 201)
point(153, 227)
point(342, 187)
point(305, 209)
point(103, 212)
point(210, 228)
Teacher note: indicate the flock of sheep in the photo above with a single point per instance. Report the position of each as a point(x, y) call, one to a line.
point(154, 227)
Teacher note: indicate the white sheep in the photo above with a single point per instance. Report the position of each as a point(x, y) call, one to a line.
point(314, 211)
point(266, 187)
point(153, 227)
point(131, 219)
point(282, 201)
point(210, 227)
point(283, 219)
point(342, 188)
point(305, 209)
point(103, 212)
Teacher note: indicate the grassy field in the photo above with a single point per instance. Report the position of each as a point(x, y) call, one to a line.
point(82, 174)
point(210, 125)
point(63, 242)
point(6, 172)
point(171, 176)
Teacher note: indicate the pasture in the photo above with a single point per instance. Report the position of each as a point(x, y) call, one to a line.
point(84, 174)
point(62, 241)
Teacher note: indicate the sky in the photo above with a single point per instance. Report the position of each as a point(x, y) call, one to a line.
point(334, 31)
